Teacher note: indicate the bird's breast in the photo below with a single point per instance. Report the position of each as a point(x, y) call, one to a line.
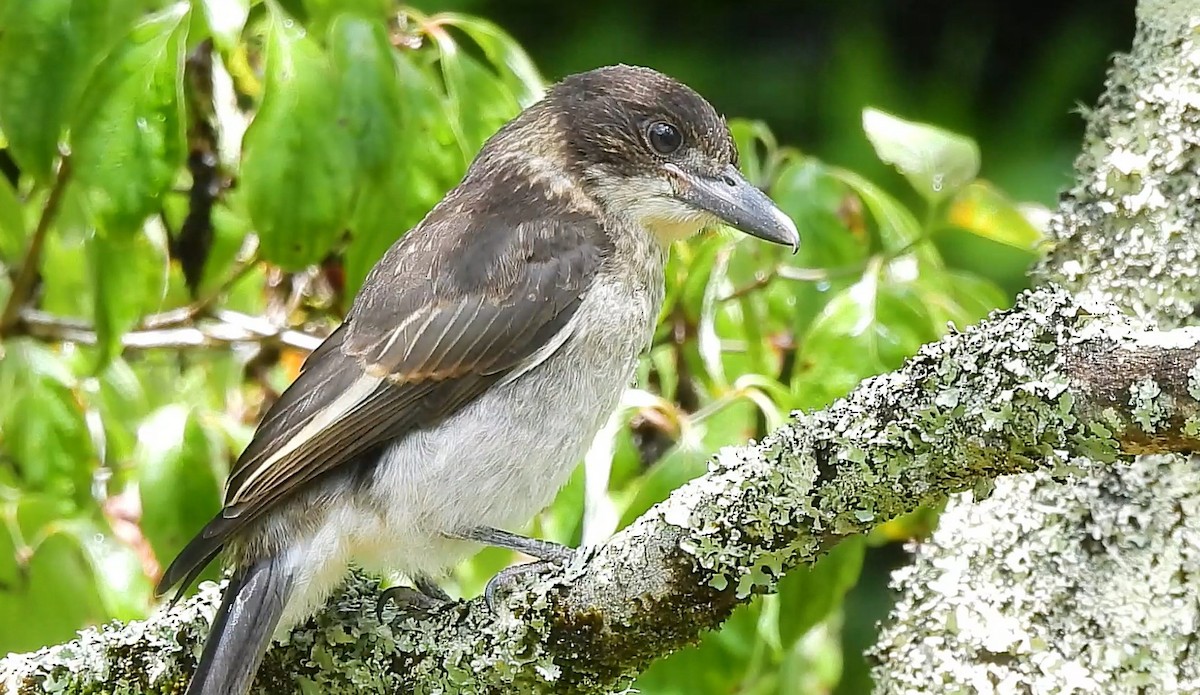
point(501, 459)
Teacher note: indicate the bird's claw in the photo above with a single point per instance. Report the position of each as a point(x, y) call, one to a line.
point(426, 598)
point(504, 580)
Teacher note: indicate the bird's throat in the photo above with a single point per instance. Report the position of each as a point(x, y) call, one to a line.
point(667, 232)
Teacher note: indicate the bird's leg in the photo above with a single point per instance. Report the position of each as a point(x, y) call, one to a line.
point(424, 596)
point(533, 547)
point(549, 554)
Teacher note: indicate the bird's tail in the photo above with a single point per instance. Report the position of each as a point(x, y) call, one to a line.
point(250, 610)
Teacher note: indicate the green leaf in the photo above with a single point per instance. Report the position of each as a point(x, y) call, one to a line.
point(43, 423)
point(12, 223)
point(130, 277)
point(115, 568)
point(935, 161)
point(756, 147)
point(822, 206)
point(371, 99)
point(959, 298)
point(230, 229)
point(298, 165)
point(53, 592)
point(479, 103)
point(67, 289)
point(322, 13)
point(983, 210)
point(722, 662)
point(689, 271)
point(807, 595)
point(122, 403)
point(386, 210)
point(708, 342)
point(815, 665)
point(422, 170)
point(47, 50)
point(898, 229)
point(867, 329)
point(827, 212)
point(129, 141)
point(513, 64)
point(689, 458)
point(177, 481)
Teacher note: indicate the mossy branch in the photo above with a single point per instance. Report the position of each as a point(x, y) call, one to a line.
point(1047, 386)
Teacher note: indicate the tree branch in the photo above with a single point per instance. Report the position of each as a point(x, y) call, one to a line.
point(1087, 587)
point(1045, 386)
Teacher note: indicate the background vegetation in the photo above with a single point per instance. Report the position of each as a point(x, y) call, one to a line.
point(154, 260)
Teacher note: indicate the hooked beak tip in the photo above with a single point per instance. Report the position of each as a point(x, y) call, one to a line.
point(790, 232)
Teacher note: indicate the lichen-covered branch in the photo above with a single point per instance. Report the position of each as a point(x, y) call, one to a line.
point(1045, 386)
point(1089, 586)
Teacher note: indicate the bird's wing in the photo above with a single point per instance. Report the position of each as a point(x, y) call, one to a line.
point(449, 311)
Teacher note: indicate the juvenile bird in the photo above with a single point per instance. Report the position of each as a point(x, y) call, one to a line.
point(482, 354)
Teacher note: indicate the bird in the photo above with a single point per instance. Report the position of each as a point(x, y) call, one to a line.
point(478, 360)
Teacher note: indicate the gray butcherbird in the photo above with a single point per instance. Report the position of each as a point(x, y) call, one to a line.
point(479, 359)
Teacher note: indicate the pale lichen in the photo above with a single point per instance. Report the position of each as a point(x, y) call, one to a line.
point(1148, 408)
point(1091, 585)
point(970, 407)
point(1194, 380)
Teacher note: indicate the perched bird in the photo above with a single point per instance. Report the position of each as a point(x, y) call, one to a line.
point(477, 362)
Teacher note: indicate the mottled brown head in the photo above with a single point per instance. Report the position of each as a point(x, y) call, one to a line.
point(651, 148)
point(628, 120)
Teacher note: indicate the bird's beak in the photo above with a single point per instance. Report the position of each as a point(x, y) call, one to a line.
point(736, 201)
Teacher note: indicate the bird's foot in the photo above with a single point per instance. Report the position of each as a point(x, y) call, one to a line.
point(550, 555)
point(507, 579)
point(425, 597)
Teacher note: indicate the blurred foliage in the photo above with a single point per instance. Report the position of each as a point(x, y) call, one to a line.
point(175, 169)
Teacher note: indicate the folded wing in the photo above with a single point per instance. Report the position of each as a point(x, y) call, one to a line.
point(429, 332)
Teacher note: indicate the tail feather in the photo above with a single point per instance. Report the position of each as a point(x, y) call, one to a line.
point(250, 609)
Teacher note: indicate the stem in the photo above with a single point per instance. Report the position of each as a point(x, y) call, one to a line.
point(23, 285)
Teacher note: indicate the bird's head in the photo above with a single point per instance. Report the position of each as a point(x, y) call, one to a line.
point(650, 148)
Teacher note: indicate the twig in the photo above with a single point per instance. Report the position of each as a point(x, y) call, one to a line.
point(23, 284)
point(191, 310)
point(227, 328)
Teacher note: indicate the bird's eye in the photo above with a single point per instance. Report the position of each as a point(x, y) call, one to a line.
point(664, 137)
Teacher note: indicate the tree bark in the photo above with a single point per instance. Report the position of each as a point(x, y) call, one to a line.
point(1089, 585)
